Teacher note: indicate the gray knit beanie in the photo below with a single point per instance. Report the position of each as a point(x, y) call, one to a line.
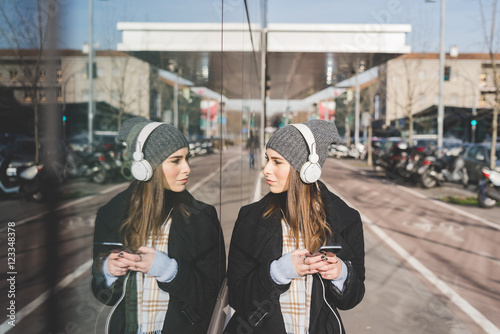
point(291, 145)
point(161, 143)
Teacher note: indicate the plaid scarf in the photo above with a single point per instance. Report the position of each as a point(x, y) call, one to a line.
point(151, 300)
point(296, 302)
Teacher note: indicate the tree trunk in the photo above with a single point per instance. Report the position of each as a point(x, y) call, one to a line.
point(369, 160)
point(410, 128)
point(120, 113)
point(37, 135)
point(348, 126)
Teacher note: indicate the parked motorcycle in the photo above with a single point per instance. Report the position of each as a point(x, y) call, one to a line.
point(114, 157)
point(416, 156)
point(489, 188)
point(24, 180)
point(397, 161)
point(92, 165)
point(342, 151)
point(449, 168)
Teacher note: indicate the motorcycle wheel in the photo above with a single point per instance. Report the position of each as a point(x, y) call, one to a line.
point(427, 180)
point(482, 200)
point(37, 197)
point(100, 176)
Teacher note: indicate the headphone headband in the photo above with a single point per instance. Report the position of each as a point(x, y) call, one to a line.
point(144, 134)
point(308, 136)
point(311, 170)
point(141, 168)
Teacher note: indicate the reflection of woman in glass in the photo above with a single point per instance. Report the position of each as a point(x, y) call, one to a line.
point(278, 281)
point(168, 276)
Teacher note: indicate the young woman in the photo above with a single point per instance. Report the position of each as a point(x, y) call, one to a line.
point(278, 282)
point(166, 277)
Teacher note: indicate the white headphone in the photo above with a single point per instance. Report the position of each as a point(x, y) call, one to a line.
point(311, 170)
point(141, 169)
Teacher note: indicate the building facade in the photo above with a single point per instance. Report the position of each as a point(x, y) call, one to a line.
point(412, 83)
point(120, 81)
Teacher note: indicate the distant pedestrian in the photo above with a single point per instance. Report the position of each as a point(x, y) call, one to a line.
point(168, 277)
point(278, 282)
point(252, 146)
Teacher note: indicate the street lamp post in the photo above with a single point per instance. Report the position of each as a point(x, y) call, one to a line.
point(440, 115)
point(357, 108)
point(91, 74)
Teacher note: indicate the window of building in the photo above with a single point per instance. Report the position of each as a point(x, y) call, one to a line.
point(42, 97)
point(59, 95)
point(59, 75)
point(482, 101)
point(27, 97)
point(42, 75)
point(482, 79)
point(13, 75)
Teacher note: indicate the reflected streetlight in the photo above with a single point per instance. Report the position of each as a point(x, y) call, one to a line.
point(91, 73)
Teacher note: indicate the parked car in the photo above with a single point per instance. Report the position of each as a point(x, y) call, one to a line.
point(19, 172)
point(477, 156)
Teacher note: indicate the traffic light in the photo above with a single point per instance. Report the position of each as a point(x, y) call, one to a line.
point(473, 122)
point(94, 70)
point(447, 73)
point(268, 86)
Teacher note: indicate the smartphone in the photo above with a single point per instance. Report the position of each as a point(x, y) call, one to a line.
point(113, 247)
point(329, 249)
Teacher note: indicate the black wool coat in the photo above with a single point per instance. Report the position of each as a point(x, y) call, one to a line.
point(256, 242)
point(195, 242)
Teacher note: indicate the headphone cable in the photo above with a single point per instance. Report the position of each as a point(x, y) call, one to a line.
point(331, 309)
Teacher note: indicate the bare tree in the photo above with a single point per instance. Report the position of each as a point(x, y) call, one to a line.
point(405, 95)
point(25, 28)
point(491, 40)
point(127, 83)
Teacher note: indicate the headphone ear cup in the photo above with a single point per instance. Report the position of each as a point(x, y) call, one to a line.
point(141, 170)
point(310, 172)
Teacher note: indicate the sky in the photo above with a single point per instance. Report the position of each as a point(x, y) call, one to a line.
point(463, 24)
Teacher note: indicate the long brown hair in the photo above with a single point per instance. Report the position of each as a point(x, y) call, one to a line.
point(304, 212)
point(148, 210)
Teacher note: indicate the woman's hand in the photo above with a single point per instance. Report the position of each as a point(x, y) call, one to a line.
point(332, 266)
point(304, 263)
point(140, 261)
point(116, 267)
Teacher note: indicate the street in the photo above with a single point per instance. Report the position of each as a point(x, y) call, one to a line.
point(431, 266)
